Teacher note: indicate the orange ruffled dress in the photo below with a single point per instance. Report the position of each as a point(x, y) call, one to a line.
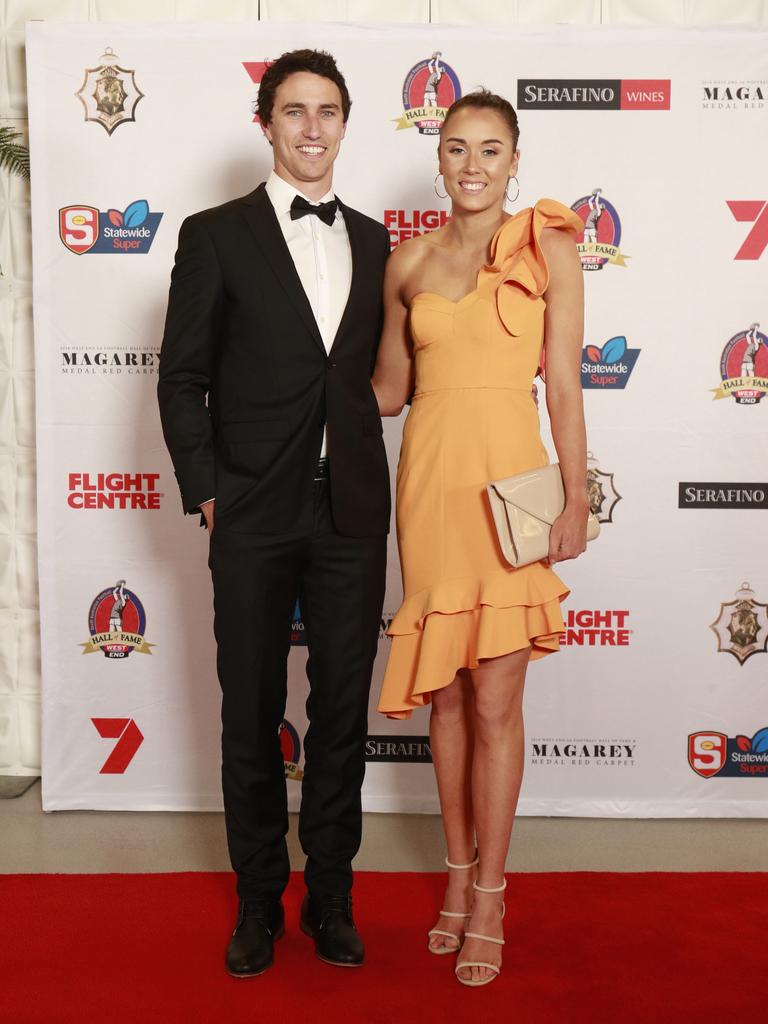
point(473, 419)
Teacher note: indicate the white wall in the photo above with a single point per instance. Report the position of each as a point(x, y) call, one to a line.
point(19, 638)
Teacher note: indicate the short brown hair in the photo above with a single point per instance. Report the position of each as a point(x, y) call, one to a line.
point(483, 99)
point(316, 62)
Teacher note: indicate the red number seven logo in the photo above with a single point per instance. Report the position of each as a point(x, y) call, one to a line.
point(753, 211)
point(128, 737)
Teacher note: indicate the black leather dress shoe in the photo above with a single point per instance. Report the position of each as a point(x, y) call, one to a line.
point(329, 922)
point(251, 949)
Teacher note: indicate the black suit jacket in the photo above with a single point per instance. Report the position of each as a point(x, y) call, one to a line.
point(241, 333)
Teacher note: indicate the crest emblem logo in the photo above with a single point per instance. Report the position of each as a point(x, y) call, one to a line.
point(117, 622)
point(603, 496)
point(742, 626)
point(744, 367)
point(599, 242)
point(430, 87)
point(706, 752)
point(109, 93)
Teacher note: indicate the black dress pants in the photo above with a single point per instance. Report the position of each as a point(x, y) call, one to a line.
point(340, 583)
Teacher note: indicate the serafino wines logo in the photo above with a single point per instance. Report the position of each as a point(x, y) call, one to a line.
point(754, 212)
point(430, 87)
point(598, 244)
point(744, 367)
point(741, 757)
point(114, 491)
point(405, 224)
point(594, 94)
point(84, 229)
point(117, 623)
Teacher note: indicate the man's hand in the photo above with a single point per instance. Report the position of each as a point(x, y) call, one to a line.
point(207, 509)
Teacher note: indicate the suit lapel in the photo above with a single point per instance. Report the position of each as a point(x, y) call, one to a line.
point(262, 220)
point(355, 245)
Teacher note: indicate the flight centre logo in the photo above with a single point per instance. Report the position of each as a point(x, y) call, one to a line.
point(741, 627)
point(594, 94)
point(430, 87)
point(109, 93)
point(598, 243)
point(84, 229)
point(737, 757)
point(123, 491)
point(290, 747)
point(609, 366)
point(117, 623)
point(744, 367)
point(255, 70)
point(588, 627)
point(603, 496)
point(405, 224)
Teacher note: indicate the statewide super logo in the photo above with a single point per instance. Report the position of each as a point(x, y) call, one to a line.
point(599, 242)
point(116, 622)
point(741, 627)
point(603, 496)
point(430, 87)
point(609, 366)
point(109, 93)
point(85, 229)
point(742, 757)
point(290, 746)
point(744, 367)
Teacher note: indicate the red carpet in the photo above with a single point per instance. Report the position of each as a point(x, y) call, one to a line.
point(581, 947)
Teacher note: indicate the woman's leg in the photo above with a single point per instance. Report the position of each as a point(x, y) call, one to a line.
point(497, 773)
point(450, 733)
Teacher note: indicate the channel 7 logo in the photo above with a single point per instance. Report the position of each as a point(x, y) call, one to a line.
point(755, 212)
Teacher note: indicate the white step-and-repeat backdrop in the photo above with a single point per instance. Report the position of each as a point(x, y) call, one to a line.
point(656, 705)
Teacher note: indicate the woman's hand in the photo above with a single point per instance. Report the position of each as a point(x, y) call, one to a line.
point(568, 536)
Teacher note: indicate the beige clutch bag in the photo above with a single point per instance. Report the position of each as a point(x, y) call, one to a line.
point(524, 508)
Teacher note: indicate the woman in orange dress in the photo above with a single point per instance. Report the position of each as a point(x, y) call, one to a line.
point(468, 309)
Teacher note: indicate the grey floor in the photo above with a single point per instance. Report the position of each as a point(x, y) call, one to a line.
point(98, 841)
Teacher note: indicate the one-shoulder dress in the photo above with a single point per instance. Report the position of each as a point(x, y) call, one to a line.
point(473, 419)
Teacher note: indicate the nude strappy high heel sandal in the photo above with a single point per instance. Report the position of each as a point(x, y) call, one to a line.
point(445, 950)
point(486, 938)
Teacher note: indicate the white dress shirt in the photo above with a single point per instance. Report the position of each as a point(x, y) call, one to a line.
point(322, 257)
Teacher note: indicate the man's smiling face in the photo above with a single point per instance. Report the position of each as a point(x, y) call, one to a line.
point(306, 130)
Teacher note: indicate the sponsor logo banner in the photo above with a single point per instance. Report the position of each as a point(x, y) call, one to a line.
point(129, 360)
point(430, 87)
point(594, 628)
point(608, 367)
point(129, 739)
point(603, 496)
point(754, 212)
point(708, 494)
point(117, 623)
point(574, 752)
point(290, 746)
point(594, 94)
point(736, 94)
point(255, 70)
point(109, 93)
point(736, 757)
point(404, 749)
point(84, 229)
point(744, 367)
point(114, 491)
point(741, 627)
point(598, 243)
point(405, 224)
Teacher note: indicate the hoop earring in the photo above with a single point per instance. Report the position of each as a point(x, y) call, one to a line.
point(511, 199)
point(438, 175)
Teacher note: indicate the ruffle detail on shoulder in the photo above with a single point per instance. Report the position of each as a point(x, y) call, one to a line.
point(517, 259)
point(458, 622)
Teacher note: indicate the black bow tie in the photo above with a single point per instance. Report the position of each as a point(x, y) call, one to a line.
point(325, 211)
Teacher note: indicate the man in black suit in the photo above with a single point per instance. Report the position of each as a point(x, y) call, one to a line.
point(274, 318)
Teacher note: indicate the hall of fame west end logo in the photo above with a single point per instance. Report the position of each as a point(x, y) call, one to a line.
point(109, 93)
point(741, 627)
